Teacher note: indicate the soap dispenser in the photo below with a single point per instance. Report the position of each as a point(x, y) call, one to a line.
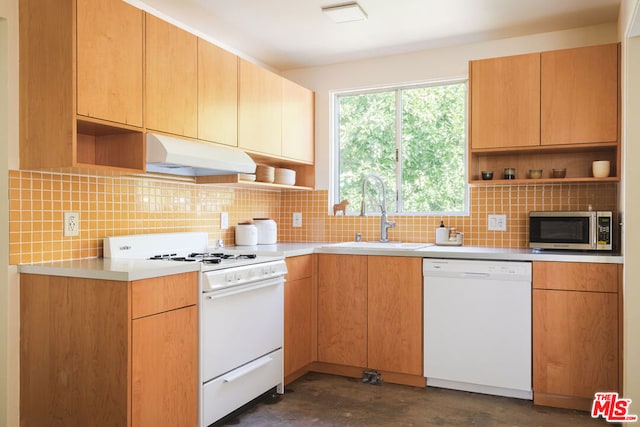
point(442, 234)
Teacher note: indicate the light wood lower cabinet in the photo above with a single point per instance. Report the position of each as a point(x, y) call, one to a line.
point(576, 332)
point(299, 317)
point(370, 316)
point(342, 309)
point(108, 353)
point(394, 317)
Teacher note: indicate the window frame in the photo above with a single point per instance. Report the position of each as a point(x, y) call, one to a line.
point(397, 89)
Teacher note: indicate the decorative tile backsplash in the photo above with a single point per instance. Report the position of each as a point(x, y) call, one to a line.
point(134, 205)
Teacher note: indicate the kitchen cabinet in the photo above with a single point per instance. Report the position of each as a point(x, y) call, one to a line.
point(394, 316)
point(297, 122)
point(123, 353)
point(576, 332)
point(342, 309)
point(579, 95)
point(505, 102)
point(81, 85)
point(556, 109)
point(217, 94)
point(259, 110)
point(299, 317)
point(370, 316)
point(171, 78)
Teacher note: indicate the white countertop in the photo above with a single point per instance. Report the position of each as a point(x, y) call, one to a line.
point(110, 269)
point(127, 270)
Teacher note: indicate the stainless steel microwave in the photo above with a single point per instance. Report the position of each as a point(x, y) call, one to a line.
point(581, 230)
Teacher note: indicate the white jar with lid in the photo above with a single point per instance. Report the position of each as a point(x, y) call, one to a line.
point(246, 234)
point(267, 231)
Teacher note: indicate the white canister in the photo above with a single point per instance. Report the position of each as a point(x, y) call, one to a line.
point(267, 231)
point(246, 234)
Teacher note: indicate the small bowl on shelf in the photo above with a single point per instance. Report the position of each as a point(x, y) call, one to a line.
point(486, 175)
point(535, 173)
point(558, 173)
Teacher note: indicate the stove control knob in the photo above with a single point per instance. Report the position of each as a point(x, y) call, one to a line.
point(228, 277)
point(265, 271)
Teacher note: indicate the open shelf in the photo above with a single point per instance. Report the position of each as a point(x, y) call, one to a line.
point(575, 159)
point(234, 179)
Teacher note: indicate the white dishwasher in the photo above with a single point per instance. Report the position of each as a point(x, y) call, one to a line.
point(477, 326)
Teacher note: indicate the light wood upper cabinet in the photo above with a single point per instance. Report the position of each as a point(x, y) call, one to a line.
point(556, 109)
point(297, 122)
point(505, 101)
point(171, 79)
point(579, 95)
point(109, 61)
point(576, 339)
point(80, 86)
point(259, 110)
point(395, 314)
point(217, 94)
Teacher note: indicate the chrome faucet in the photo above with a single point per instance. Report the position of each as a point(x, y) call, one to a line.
point(384, 224)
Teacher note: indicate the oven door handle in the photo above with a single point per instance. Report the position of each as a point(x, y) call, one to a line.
point(247, 369)
point(243, 288)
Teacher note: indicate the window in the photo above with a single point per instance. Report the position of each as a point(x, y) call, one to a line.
point(413, 137)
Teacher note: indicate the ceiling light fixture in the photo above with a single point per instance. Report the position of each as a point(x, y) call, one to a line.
point(348, 12)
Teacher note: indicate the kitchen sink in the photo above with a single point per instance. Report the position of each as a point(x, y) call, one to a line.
point(407, 246)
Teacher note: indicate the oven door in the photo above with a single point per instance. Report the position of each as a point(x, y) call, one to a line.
point(240, 324)
point(562, 230)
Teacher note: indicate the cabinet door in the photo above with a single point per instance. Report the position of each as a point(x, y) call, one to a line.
point(395, 314)
point(580, 95)
point(342, 309)
point(165, 369)
point(259, 110)
point(109, 61)
point(171, 79)
point(217, 94)
point(298, 324)
point(297, 122)
point(575, 345)
point(299, 310)
point(505, 102)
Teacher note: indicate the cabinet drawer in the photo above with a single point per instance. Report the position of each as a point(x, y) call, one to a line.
point(150, 296)
point(575, 276)
point(299, 267)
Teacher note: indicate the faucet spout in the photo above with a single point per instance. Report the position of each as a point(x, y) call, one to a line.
point(384, 223)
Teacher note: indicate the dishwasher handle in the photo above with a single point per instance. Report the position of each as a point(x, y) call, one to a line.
point(470, 275)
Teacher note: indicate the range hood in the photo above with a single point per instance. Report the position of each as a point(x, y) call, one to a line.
point(175, 156)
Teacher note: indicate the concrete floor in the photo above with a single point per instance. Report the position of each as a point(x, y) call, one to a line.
point(326, 400)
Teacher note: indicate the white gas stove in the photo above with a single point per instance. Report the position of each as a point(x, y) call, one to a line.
point(241, 312)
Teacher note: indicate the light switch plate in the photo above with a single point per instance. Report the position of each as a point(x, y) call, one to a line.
point(297, 219)
point(497, 223)
point(224, 220)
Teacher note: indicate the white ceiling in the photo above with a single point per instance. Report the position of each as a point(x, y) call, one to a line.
point(288, 34)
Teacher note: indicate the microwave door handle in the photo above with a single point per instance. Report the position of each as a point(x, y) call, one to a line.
point(594, 233)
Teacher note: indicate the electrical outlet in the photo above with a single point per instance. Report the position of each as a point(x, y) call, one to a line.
point(71, 224)
point(224, 220)
point(497, 223)
point(297, 219)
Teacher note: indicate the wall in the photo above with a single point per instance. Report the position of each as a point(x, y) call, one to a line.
point(133, 205)
point(630, 19)
point(9, 295)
